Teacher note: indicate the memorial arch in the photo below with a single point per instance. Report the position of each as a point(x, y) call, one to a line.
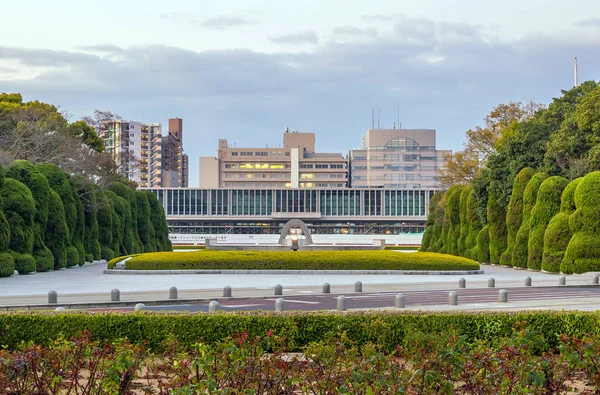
point(295, 223)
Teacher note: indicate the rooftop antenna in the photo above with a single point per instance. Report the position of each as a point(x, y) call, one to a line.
point(373, 119)
point(398, 113)
point(378, 119)
point(576, 79)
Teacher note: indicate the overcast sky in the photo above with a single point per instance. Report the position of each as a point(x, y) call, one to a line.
point(244, 70)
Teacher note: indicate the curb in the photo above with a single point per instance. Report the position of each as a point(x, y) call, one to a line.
point(317, 272)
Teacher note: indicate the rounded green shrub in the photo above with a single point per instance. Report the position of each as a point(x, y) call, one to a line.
point(105, 220)
point(89, 258)
point(4, 232)
point(496, 215)
point(521, 250)
point(428, 239)
point(7, 264)
point(44, 259)
point(24, 263)
point(465, 225)
point(546, 206)
point(72, 256)
point(87, 197)
point(583, 252)
point(514, 214)
point(145, 228)
point(78, 233)
point(483, 244)
point(57, 232)
point(107, 253)
point(475, 226)
point(438, 235)
point(159, 222)
point(129, 194)
point(19, 208)
point(452, 219)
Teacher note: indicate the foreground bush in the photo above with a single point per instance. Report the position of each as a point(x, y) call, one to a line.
point(288, 260)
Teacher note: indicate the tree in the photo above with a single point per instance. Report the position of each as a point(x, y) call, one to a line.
point(99, 118)
point(87, 134)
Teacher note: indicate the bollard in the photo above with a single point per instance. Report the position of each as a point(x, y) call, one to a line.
point(278, 289)
point(59, 309)
point(280, 304)
point(502, 296)
point(341, 303)
point(400, 301)
point(139, 306)
point(115, 295)
point(453, 298)
point(52, 297)
point(528, 281)
point(227, 291)
point(213, 306)
point(173, 293)
point(491, 282)
point(358, 286)
point(326, 288)
point(595, 279)
point(462, 283)
point(562, 280)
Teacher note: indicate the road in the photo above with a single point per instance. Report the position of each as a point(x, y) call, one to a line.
point(386, 299)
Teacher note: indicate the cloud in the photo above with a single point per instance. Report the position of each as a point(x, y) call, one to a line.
point(378, 18)
point(304, 37)
point(591, 22)
point(102, 48)
point(224, 22)
point(354, 32)
point(45, 57)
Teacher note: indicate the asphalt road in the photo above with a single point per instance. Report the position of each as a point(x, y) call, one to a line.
point(387, 299)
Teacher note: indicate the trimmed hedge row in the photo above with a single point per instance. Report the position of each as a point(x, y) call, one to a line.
point(300, 260)
point(383, 328)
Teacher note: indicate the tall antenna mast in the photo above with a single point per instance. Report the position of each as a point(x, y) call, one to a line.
point(398, 115)
point(576, 79)
point(373, 119)
point(378, 119)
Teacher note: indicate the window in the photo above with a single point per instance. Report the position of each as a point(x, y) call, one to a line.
point(307, 175)
point(306, 166)
point(322, 185)
point(276, 166)
point(337, 165)
point(234, 153)
point(132, 143)
point(321, 166)
point(246, 166)
point(287, 154)
point(245, 153)
point(261, 154)
point(229, 166)
point(131, 134)
point(279, 153)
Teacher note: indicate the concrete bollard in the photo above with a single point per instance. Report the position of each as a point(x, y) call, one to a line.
point(278, 289)
point(528, 281)
point(358, 286)
point(595, 279)
point(341, 303)
point(280, 304)
point(213, 306)
point(139, 306)
point(59, 309)
point(227, 291)
point(52, 297)
point(400, 304)
point(562, 280)
point(491, 282)
point(173, 293)
point(462, 283)
point(326, 288)
point(502, 296)
point(453, 298)
point(115, 295)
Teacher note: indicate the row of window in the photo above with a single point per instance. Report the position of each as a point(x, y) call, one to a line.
point(258, 153)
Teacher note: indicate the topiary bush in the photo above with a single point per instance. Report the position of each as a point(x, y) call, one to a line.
point(107, 253)
point(483, 244)
point(72, 256)
point(57, 232)
point(19, 207)
point(89, 258)
point(159, 222)
point(558, 233)
point(521, 251)
point(465, 225)
point(514, 214)
point(452, 219)
point(583, 252)
point(105, 220)
point(87, 196)
point(546, 206)
point(44, 259)
point(129, 194)
point(24, 263)
point(438, 236)
point(496, 215)
point(472, 249)
point(7, 264)
point(145, 228)
point(428, 236)
point(78, 233)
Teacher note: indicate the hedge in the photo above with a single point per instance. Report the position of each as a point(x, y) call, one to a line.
point(57, 233)
point(452, 219)
point(521, 251)
point(472, 250)
point(24, 263)
point(428, 236)
point(583, 252)
point(465, 225)
point(483, 244)
point(7, 264)
point(514, 214)
point(384, 328)
point(18, 207)
point(546, 206)
point(299, 260)
point(496, 215)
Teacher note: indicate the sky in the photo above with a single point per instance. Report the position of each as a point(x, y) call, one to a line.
point(246, 70)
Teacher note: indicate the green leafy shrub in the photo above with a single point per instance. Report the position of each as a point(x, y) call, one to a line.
point(465, 225)
point(521, 251)
point(91, 235)
point(107, 253)
point(300, 260)
point(428, 237)
point(89, 258)
point(128, 194)
point(514, 215)
point(483, 244)
point(72, 256)
point(7, 264)
point(159, 223)
point(105, 221)
point(496, 215)
point(24, 263)
point(546, 206)
point(452, 219)
point(19, 208)
point(558, 233)
point(57, 232)
point(44, 259)
point(474, 227)
point(583, 252)
point(438, 236)
point(145, 228)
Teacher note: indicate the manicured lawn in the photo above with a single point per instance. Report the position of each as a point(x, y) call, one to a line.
point(300, 260)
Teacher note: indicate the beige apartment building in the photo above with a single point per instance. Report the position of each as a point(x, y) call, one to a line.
point(294, 165)
point(396, 158)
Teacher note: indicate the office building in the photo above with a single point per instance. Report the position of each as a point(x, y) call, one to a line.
point(295, 164)
point(396, 158)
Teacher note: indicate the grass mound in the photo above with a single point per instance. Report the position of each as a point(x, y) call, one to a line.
point(300, 260)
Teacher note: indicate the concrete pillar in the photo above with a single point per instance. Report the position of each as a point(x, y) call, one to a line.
point(462, 283)
point(173, 293)
point(562, 280)
point(139, 306)
point(227, 291)
point(528, 281)
point(280, 304)
point(502, 296)
point(400, 304)
point(278, 289)
point(213, 306)
point(52, 297)
point(452, 298)
point(341, 303)
point(595, 279)
point(115, 295)
point(491, 282)
point(358, 286)
point(326, 288)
